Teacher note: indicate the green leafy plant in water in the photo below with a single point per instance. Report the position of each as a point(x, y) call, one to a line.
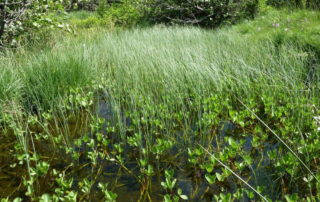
point(105, 142)
point(85, 138)
point(146, 173)
point(110, 128)
point(91, 143)
point(86, 186)
point(161, 146)
point(58, 139)
point(227, 171)
point(99, 137)
point(110, 196)
point(78, 142)
point(210, 178)
point(239, 194)
point(93, 156)
point(64, 184)
point(169, 185)
point(79, 99)
point(192, 156)
point(118, 148)
point(45, 198)
point(290, 150)
point(292, 198)
point(41, 169)
point(135, 140)
point(96, 123)
point(223, 197)
point(250, 194)
point(149, 171)
point(72, 196)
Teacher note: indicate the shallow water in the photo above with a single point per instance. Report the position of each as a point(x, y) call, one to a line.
point(125, 184)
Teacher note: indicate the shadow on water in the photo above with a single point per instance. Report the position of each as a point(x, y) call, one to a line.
point(124, 180)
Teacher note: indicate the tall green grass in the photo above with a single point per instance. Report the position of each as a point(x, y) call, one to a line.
point(10, 82)
point(177, 63)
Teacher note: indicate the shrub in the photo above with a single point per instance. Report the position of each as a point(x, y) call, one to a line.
point(122, 13)
point(20, 18)
point(207, 13)
point(263, 6)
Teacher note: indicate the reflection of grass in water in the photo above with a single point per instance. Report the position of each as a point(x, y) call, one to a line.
point(166, 80)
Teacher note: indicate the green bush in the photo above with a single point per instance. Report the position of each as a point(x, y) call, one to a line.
point(122, 14)
point(24, 18)
point(207, 13)
point(102, 8)
point(263, 6)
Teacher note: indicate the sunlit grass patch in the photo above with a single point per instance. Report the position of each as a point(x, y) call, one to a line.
point(300, 27)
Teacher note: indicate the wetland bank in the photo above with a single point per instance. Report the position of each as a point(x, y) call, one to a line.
point(136, 115)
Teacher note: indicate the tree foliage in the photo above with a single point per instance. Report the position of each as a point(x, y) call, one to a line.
point(208, 13)
point(20, 17)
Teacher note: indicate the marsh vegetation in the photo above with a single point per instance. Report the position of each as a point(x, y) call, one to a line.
point(163, 113)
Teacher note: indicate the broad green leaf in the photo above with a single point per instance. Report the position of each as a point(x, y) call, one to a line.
point(220, 177)
point(18, 199)
point(86, 138)
point(45, 198)
point(292, 198)
point(260, 189)
point(184, 197)
point(211, 179)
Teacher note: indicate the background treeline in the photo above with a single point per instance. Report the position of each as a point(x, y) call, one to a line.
point(20, 18)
